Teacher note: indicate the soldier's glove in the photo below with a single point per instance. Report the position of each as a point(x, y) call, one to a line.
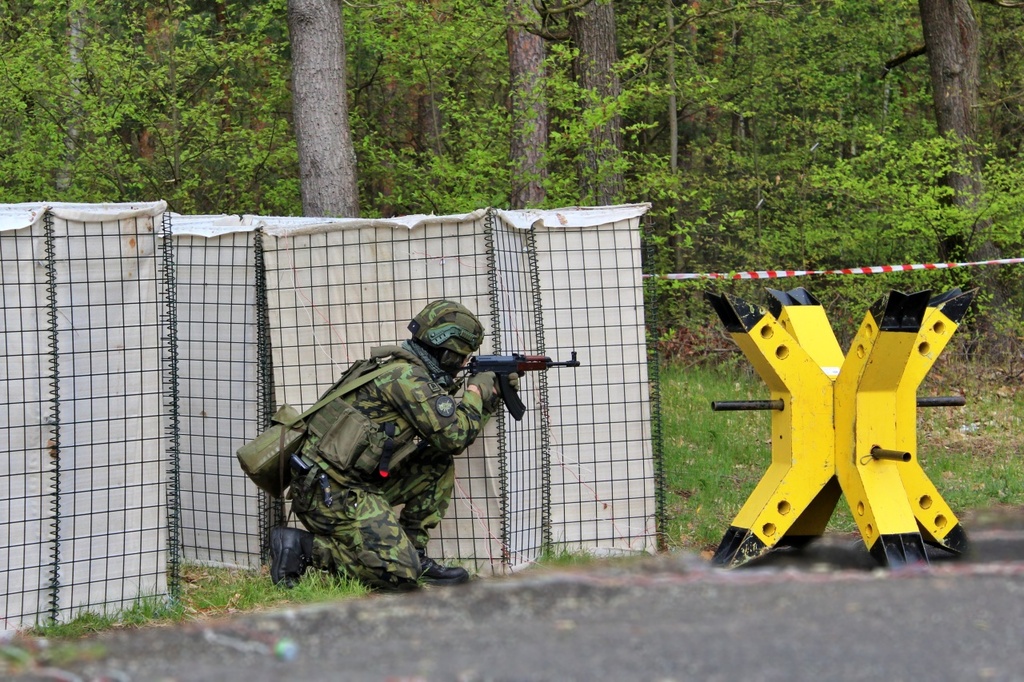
point(513, 381)
point(487, 382)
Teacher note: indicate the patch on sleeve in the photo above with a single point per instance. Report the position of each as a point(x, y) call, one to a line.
point(445, 406)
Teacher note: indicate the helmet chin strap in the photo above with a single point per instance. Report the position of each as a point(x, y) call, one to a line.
point(441, 357)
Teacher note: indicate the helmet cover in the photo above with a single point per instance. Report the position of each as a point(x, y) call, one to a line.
point(448, 325)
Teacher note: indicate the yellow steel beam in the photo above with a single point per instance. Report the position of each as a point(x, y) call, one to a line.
point(935, 519)
point(794, 494)
point(865, 414)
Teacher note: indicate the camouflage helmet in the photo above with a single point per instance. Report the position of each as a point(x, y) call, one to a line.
point(448, 325)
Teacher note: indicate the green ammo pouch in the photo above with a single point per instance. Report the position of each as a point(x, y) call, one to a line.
point(265, 460)
point(348, 439)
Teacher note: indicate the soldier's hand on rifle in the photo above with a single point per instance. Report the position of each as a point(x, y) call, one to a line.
point(484, 382)
point(513, 381)
point(487, 384)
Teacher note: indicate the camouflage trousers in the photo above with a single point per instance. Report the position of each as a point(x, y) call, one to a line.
point(360, 535)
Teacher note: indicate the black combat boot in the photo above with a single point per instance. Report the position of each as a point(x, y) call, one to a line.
point(433, 573)
point(291, 552)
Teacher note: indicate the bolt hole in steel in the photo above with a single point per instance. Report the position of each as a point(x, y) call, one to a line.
point(924, 348)
point(869, 330)
point(768, 529)
point(767, 332)
point(925, 502)
point(939, 327)
point(860, 351)
point(860, 509)
point(784, 507)
point(940, 521)
point(782, 352)
point(869, 531)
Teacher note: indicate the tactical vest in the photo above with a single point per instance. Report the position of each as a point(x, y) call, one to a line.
point(346, 439)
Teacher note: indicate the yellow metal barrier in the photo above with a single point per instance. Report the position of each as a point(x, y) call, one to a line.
point(843, 424)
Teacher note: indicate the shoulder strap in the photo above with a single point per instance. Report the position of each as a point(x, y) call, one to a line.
point(342, 390)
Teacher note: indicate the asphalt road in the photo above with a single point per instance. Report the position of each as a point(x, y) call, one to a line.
point(827, 613)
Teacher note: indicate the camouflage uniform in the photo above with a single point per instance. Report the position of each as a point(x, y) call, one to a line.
point(351, 512)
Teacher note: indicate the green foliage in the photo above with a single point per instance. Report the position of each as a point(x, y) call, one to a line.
point(172, 102)
point(799, 150)
point(428, 84)
point(797, 146)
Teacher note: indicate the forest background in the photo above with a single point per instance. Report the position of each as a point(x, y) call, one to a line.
point(765, 134)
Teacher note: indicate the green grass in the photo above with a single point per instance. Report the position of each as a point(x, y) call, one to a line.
point(973, 453)
point(713, 460)
point(144, 611)
point(209, 592)
point(213, 591)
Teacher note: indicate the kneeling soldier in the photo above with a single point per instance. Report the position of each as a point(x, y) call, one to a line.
point(389, 442)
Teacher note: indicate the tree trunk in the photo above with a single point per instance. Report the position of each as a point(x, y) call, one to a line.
point(429, 116)
point(429, 98)
point(529, 109)
point(592, 32)
point(327, 159)
point(673, 105)
point(76, 47)
point(952, 41)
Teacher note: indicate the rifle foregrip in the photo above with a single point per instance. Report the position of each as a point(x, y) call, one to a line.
point(510, 396)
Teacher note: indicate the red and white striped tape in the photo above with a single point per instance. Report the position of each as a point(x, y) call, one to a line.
point(871, 270)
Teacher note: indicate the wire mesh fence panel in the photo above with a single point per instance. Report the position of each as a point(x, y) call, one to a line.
point(218, 398)
point(521, 449)
point(129, 385)
point(27, 492)
point(112, 520)
point(602, 469)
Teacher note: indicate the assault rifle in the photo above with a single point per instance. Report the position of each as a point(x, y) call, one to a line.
point(503, 365)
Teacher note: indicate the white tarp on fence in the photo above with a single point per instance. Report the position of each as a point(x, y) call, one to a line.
point(338, 288)
point(218, 405)
point(26, 555)
point(96, 481)
point(591, 284)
